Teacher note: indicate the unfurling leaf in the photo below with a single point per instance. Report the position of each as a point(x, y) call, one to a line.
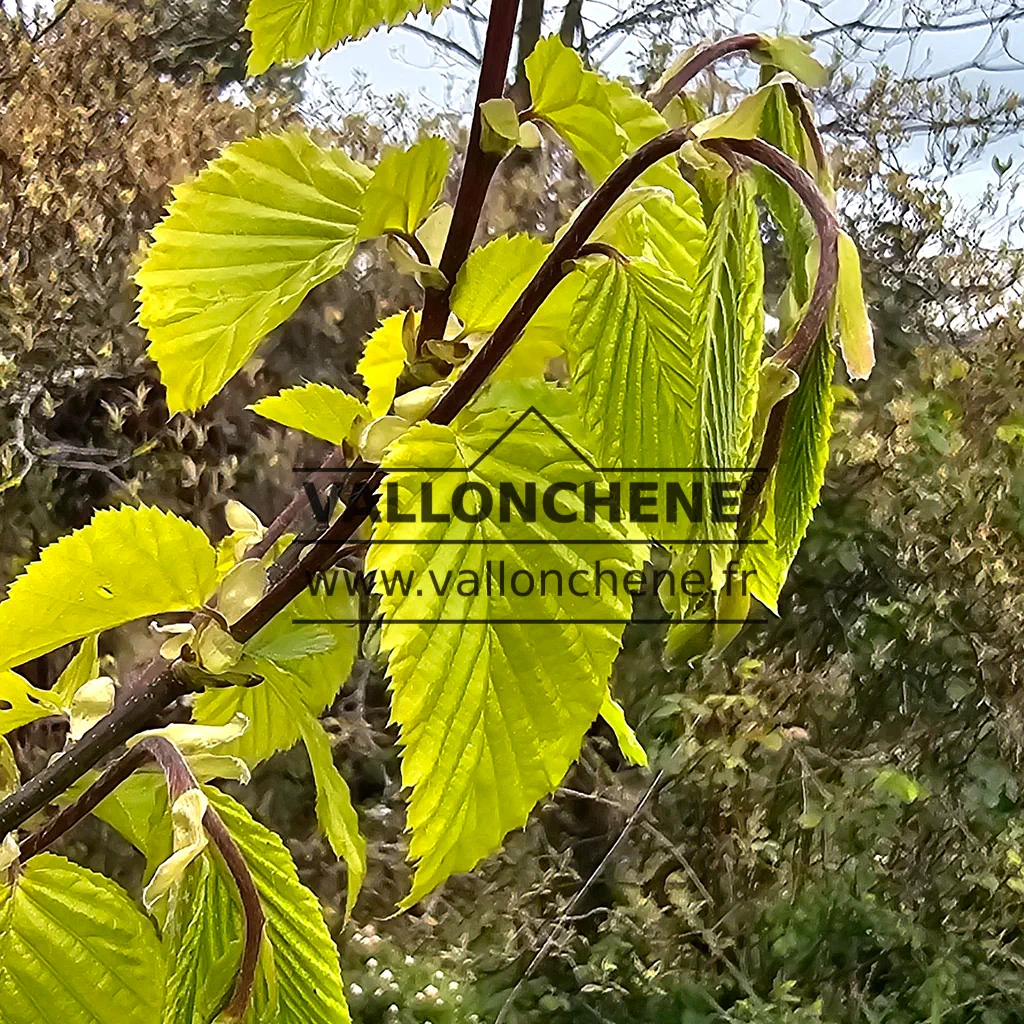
point(75, 950)
point(203, 938)
point(127, 563)
point(378, 435)
point(289, 31)
point(792, 54)
point(92, 701)
point(405, 185)
point(241, 245)
point(192, 739)
point(241, 589)
point(612, 713)
point(855, 337)
point(744, 120)
point(334, 810)
point(304, 663)
point(85, 665)
point(307, 974)
point(499, 126)
point(10, 777)
point(490, 720)
point(632, 322)
point(729, 326)
point(319, 409)
point(189, 841)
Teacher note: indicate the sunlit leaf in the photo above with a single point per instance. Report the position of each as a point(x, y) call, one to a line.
point(855, 336)
point(75, 950)
point(319, 409)
point(288, 31)
point(126, 564)
point(334, 808)
point(307, 973)
point(404, 187)
point(382, 363)
point(240, 247)
point(490, 719)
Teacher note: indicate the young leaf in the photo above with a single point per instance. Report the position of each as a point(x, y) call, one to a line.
point(612, 713)
point(304, 664)
point(855, 337)
point(289, 31)
point(10, 777)
point(781, 127)
point(792, 54)
point(308, 976)
point(75, 950)
point(334, 808)
point(203, 942)
point(318, 409)
point(729, 327)
point(600, 120)
point(493, 277)
point(126, 564)
point(743, 121)
point(241, 245)
point(491, 717)
point(632, 353)
point(803, 451)
point(382, 363)
point(405, 185)
point(499, 126)
point(575, 103)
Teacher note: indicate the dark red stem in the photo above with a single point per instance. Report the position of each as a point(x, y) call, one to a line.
point(477, 170)
point(704, 59)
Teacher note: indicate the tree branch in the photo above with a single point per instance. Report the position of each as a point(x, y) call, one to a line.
point(159, 686)
point(477, 170)
point(179, 779)
point(660, 98)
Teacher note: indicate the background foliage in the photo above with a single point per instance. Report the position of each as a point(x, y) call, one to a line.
point(838, 833)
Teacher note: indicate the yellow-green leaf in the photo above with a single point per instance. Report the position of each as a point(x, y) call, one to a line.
point(240, 247)
point(575, 103)
point(334, 808)
point(793, 54)
point(305, 959)
point(729, 327)
point(21, 702)
point(126, 564)
point(203, 938)
point(632, 352)
point(404, 187)
point(85, 665)
point(305, 664)
point(612, 713)
point(491, 718)
point(319, 409)
point(75, 950)
point(855, 337)
point(288, 31)
point(382, 363)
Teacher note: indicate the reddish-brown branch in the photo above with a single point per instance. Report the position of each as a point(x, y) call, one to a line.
point(179, 779)
point(477, 170)
point(160, 687)
point(660, 98)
